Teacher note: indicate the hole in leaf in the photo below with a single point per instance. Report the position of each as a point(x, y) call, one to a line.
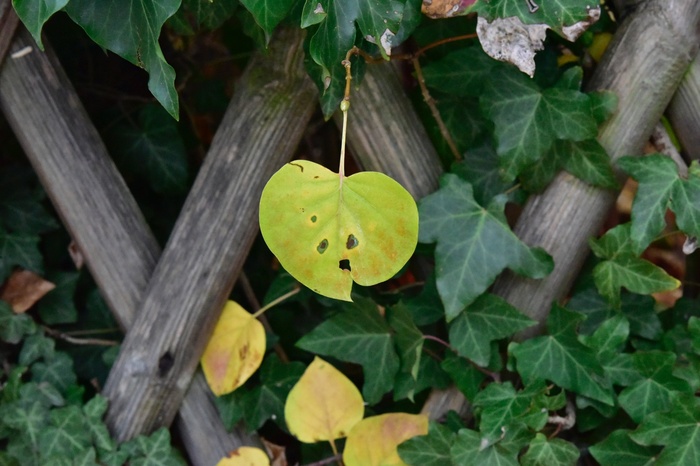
point(314, 218)
point(352, 242)
point(344, 265)
point(322, 246)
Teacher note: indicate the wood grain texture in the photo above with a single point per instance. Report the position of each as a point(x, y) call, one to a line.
point(386, 135)
point(265, 120)
point(99, 211)
point(643, 66)
point(8, 25)
point(684, 111)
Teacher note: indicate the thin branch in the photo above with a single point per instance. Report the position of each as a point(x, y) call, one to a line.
point(326, 461)
point(79, 341)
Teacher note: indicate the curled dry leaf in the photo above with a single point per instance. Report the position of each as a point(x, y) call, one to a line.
point(23, 289)
point(373, 441)
point(234, 351)
point(245, 456)
point(444, 8)
point(323, 405)
point(278, 453)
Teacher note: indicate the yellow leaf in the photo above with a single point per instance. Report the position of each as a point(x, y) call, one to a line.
point(235, 350)
point(323, 405)
point(328, 231)
point(245, 456)
point(373, 441)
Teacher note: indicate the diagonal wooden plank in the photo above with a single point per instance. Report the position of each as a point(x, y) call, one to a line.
point(96, 207)
point(8, 25)
point(269, 111)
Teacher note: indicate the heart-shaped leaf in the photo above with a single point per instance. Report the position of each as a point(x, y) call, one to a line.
point(328, 230)
point(234, 351)
point(245, 456)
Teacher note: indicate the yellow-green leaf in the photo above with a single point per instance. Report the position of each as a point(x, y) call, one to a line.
point(327, 230)
point(245, 456)
point(373, 441)
point(235, 350)
point(323, 405)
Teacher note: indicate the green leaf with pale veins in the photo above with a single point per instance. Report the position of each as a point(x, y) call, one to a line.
point(500, 405)
point(480, 168)
point(486, 319)
point(554, 452)
point(432, 449)
point(358, 334)
point(13, 327)
point(470, 449)
point(130, 28)
point(266, 401)
point(586, 160)
point(153, 150)
point(153, 450)
point(622, 268)
point(19, 249)
point(528, 120)
point(268, 13)
point(678, 430)
point(408, 339)
point(555, 14)
point(465, 376)
point(57, 307)
point(609, 338)
point(56, 370)
point(657, 388)
point(378, 21)
point(204, 13)
point(66, 433)
point(618, 449)
point(474, 244)
point(34, 13)
point(462, 73)
point(562, 359)
point(660, 187)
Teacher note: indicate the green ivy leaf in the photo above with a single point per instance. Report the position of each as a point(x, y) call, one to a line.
point(19, 249)
point(154, 151)
point(486, 319)
point(57, 307)
point(29, 420)
point(94, 410)
point(408, 339)
point(205, 14)
point(465, 376)
point(21, 208)
point(131, 29)
point(462, 73)
point(657, 388)
point(358, 334)
point(660, 187)
point(554, 452)
point(622, 268)
point(266, 401)
point(7, 460)
point(500, 405)
point(56, 370)
point(528, 120)
point(678, 430)
point(586, 160)
point(430, 375)
point(34, 13)
point(557, 15)
point(469, 449)
point(432, 449)
point(66, 433)
point(268, 13)
point(426, 308)
point(473, 244)
point(231, 408)
point(43, 392)
point(335, 35)
point(480, 168)
point(619, 450)
point(562, 359)
point(609, 338)
point(13, 327)
point(154, 450)
point(35, 347)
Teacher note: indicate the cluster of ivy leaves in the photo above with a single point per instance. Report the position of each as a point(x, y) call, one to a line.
point(621, 372)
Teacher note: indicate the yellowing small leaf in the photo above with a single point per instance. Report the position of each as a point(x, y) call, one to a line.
point(373, 441)
point(323, 405)
point(327, 231)
point(235, 350)
point(245, 456)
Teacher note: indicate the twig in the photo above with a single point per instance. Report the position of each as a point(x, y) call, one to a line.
point(326, 461)
point(79, 341)
point(255, 304)
point(430, 102)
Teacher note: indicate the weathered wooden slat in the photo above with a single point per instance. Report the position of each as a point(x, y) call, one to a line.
point(266, 118)
point(684, 111)
point(386, 135)
point(96, 207)
point(643, 66)
point(8, 25)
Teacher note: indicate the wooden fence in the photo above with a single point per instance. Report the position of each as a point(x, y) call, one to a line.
point(167, 301)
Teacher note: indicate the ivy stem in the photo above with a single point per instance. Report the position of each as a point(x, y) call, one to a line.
point(344, 107)
point(275, 302)
point(79, 341)
point(335, 452)
point(439, 340)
